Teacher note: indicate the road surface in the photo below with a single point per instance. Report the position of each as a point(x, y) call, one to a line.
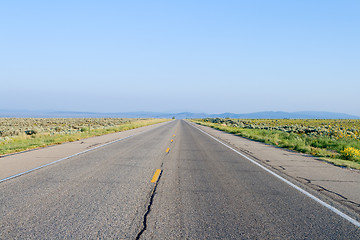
point(171, 182)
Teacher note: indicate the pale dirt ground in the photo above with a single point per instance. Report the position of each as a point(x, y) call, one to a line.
point(21, 162)
point(340, 184)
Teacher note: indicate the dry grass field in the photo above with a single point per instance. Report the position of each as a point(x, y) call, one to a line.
point(19, 134)
point(334, 140)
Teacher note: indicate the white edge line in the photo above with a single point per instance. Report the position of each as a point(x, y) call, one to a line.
point(338, 212)
point(76, 154)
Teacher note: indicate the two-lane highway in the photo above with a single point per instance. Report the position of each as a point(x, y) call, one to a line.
point(172, 182)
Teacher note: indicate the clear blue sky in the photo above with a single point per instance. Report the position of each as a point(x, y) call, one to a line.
point(200, 56)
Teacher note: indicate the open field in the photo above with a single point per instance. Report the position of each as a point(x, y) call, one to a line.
point(336, 141)
point(19, 134)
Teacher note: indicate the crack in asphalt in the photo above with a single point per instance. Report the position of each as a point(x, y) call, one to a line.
point(339, 181)
point(144, 223)
point(321, 188)
point(282, 167)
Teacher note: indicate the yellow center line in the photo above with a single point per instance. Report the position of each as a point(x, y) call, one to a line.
point(167, 150)
point(156, 175)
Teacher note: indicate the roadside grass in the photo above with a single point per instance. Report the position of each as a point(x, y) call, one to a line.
point(342, 163)
point(26, 142)
point(324, 148)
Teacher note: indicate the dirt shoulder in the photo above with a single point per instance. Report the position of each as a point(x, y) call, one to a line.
point(20, 162)
point(340, 184)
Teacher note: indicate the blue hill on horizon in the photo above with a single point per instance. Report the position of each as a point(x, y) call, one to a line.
point(181, 115)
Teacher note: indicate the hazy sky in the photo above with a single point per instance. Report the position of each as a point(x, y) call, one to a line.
point(201, 56)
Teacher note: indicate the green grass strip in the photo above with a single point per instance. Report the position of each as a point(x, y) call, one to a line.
point(25, 142)
point(324, 148)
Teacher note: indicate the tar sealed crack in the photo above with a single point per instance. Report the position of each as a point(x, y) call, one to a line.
point(144, 224)
point(321, 188)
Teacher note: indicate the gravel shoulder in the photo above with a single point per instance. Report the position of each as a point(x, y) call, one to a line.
point(20, 162)
point(339, 184)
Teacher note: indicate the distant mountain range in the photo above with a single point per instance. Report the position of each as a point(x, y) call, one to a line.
point(182, 115)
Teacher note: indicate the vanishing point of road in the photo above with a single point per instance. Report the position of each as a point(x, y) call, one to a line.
point(171, 182)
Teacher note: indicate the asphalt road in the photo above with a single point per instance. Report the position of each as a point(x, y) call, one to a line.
point(203, 191)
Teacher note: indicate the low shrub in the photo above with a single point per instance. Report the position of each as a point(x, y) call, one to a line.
point(350, 153)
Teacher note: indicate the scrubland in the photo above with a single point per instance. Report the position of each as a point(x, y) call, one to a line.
point(19, 134)
point(334, 140)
